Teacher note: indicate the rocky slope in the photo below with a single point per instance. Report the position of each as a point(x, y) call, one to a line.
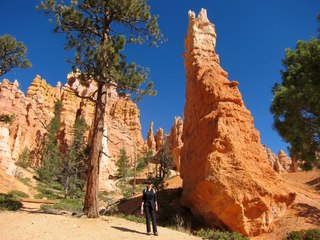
point(226, 177)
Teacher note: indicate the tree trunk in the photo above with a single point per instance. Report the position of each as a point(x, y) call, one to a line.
point(91, 199)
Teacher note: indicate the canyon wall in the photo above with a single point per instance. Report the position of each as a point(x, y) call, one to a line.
point(33, 111)
point(226, 177)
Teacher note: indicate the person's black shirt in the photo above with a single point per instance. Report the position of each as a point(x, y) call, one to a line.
point(149, 198)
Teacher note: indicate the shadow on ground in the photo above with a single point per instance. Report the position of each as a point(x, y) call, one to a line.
point(128, 230)
point(309, 212)
point(315, 183)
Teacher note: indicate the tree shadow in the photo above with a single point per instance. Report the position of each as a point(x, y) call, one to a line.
point(312, 214)
point(128, 230)
point(315, 183)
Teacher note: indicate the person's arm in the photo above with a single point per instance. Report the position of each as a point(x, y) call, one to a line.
point(155, 200)
point(141, 208)
point(142, 203)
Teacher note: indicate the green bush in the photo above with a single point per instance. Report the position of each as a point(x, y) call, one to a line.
point(18, 194)
point(9, 202)
point(24, 158)
point(25, 181)
point(312, 234)
point(70, 205)
point(132, 218)
point(6, 118)
point(218, 235)
point(46, 192)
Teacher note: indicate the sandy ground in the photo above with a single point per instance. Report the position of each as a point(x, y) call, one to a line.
point(30, 225)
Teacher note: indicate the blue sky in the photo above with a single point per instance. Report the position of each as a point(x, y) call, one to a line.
point(252, 37)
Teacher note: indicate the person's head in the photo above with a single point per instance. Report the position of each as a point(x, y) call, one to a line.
point(149, 184)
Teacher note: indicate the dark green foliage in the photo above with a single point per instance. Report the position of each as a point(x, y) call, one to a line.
point(53, 191)
point(143, 161)
point(124, 173)
point(98, 31)
point(9, 202)
point(165, 160)
point(6, 118)
point(312, 234)
point(123, 164)
point(296, 103)
point(70, 205)
point(132, 218)
point(23, 159)
point(12, 54)
point(18, 194)
point(218, 235)
point(75, 162)
point(51, 168)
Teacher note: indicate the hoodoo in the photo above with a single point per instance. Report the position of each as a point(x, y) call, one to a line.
point(226, 178)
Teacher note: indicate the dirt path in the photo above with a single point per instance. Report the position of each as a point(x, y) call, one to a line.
point(30, 225)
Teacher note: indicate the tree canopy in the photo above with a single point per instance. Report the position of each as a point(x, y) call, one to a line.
point(12, 54)
point(296, 103)
point(98, 32)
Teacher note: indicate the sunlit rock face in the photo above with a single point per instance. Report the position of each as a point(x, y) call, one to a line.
point(35, 110)
point(226, 177)
point(281, 163)
point(151, 142)
point(175, 141)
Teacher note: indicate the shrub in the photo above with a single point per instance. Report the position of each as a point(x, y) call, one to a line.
point(25, 181)
point(132, 218)
point(24, 158)
point(70, 205)
point(18, 194)
point(219, 235)
point(312, 234)
point(46, 192)
point(9, 202)
point(6, 118)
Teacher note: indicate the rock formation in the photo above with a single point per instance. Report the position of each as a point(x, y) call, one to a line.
point(226, 177)
point(159, 139)
point(285, 161)
point(35, 110)
point(281, 163)
point(150, 139)
point(175, 141)
point(273, 160)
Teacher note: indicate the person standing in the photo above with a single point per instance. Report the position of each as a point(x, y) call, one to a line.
point(148, 206)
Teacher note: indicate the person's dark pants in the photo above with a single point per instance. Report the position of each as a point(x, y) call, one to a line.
point(149, 211)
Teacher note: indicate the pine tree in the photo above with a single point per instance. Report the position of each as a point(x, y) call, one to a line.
point(75, 162)
point(50, 169)
point(98, 31)
point(296, 103)
point(124, 173)
point(12, 54)
point(164, 159)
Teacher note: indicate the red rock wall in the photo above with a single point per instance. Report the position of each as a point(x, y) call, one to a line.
point(226, 177)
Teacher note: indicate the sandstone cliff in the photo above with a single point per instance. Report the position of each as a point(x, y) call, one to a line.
point(226, 177)
point(35, 110)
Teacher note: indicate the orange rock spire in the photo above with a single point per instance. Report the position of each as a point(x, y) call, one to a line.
point(226, 177)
